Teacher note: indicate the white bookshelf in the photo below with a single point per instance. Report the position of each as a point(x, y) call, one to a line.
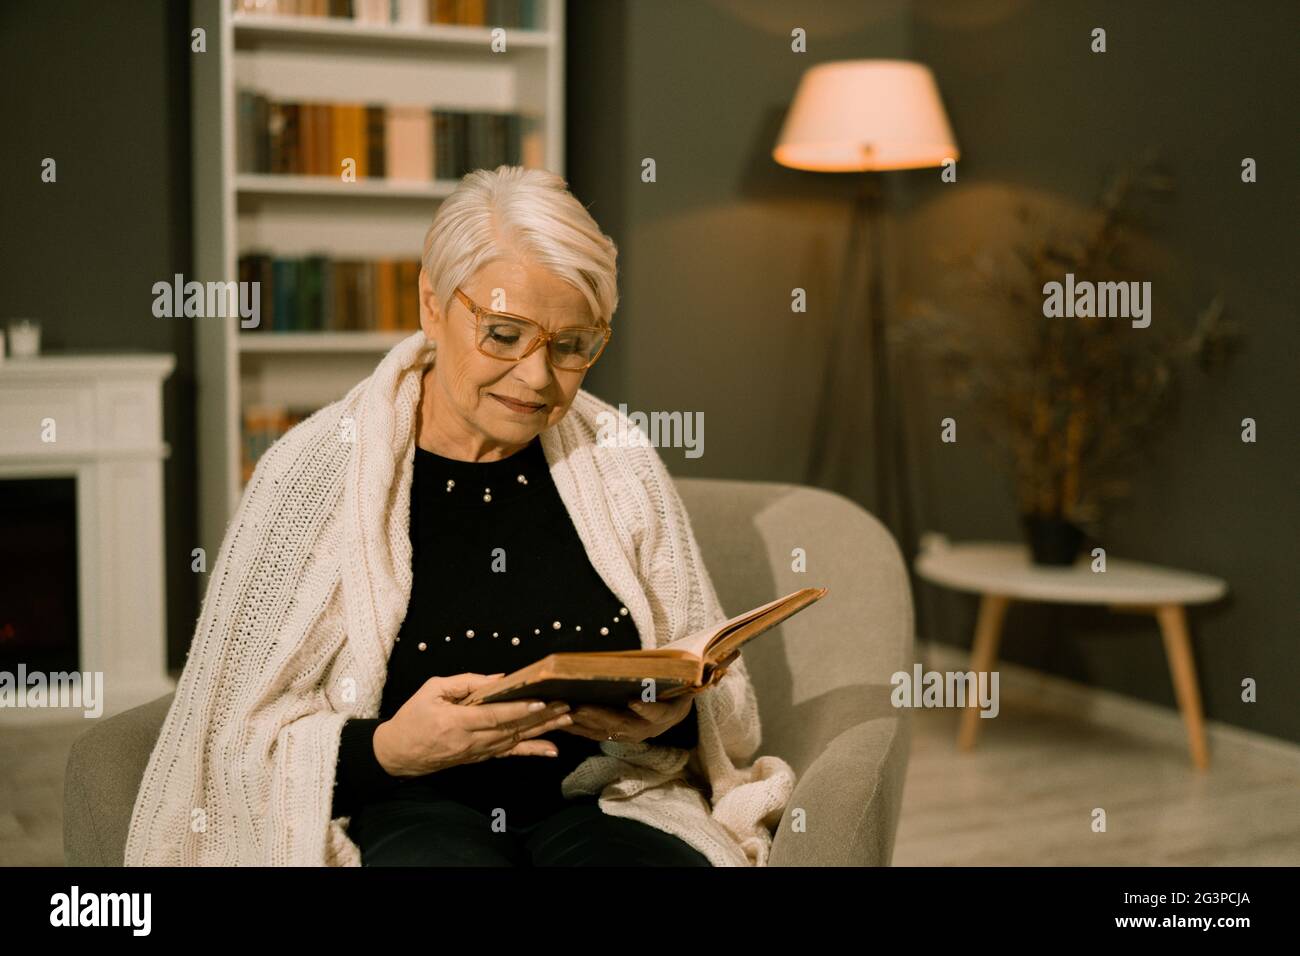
point(255, 184)
point(320, 342)
point(350, 34)
point(310, 59)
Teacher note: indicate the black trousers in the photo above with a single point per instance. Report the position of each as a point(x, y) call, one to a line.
point(425, 830)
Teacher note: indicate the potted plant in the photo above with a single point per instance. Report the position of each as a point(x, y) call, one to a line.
point(1071, 401)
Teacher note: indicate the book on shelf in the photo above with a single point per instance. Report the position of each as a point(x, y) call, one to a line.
point(264, 424)
point(408, 13)
point(408, 143)
point(318, 294)
point(496, 13)
point(373, 133)
point(384, 141)
point(611, 678)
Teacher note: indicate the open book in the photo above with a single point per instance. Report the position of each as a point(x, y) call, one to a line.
point(612, 678)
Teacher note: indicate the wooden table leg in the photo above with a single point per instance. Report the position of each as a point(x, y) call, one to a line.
point(984, 655)
point(1178, 648)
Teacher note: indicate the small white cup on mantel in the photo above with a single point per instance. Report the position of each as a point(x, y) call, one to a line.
point(24, 338)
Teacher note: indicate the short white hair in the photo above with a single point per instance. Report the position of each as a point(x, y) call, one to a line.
point(513, 212)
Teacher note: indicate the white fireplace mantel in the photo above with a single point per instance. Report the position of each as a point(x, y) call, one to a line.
point(104, 413)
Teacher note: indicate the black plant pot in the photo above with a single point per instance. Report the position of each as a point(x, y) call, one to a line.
point(1052, 540)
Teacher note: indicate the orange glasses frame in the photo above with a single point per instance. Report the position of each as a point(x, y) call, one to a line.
point(542, 337)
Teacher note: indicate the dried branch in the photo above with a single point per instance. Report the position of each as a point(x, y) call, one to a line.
point(1072, 403)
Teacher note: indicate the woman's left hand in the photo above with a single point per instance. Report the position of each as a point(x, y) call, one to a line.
point(640, 720)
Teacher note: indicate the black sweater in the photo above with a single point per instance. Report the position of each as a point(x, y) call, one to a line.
point(505, 569)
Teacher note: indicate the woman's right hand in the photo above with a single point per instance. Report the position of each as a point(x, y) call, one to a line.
point(433, 731)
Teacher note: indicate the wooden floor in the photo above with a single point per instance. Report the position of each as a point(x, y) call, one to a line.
point(1025, 796)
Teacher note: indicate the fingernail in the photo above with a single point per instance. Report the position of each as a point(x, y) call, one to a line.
point(535, 706)
point(551, 753)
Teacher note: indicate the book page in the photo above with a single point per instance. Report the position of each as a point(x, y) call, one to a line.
point(698, 644)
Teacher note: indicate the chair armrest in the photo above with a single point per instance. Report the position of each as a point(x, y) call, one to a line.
point(850, 817)
point(104, 771)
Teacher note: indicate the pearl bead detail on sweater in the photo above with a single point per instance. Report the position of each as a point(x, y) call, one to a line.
point(487, 492)
point(555, 625)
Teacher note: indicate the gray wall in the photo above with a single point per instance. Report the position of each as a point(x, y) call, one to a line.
point(103, 88)
point(711, 251)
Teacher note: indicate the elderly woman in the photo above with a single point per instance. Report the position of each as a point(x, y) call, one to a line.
point(451, 519)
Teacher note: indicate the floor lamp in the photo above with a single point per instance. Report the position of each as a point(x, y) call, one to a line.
point(866, 117)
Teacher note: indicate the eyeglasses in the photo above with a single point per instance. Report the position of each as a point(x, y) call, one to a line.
point(512, 338)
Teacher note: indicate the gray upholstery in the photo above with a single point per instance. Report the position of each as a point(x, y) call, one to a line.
point(822, 684)
point(105, 767)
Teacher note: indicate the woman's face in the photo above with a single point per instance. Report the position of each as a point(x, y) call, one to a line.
point(464, 415)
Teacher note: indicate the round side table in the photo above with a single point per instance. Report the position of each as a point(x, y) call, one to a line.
point(1001, 572)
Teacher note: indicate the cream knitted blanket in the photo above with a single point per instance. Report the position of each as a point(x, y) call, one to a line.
point(309, 590)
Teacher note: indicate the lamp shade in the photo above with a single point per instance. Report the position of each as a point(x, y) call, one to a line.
point(859, 115)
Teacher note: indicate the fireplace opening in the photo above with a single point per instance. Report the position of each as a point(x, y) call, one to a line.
point(39, 624)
